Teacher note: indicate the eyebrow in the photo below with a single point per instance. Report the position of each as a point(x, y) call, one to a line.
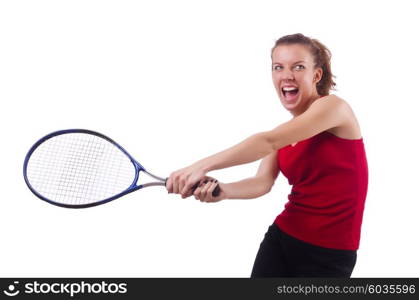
point(300, 61)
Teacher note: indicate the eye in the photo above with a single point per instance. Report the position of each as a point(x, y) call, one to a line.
point(276, 68)
point(300, 67)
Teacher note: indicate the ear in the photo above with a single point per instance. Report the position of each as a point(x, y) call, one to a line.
point(318, 73)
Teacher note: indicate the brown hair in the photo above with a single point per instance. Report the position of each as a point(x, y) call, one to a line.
point(321, 56)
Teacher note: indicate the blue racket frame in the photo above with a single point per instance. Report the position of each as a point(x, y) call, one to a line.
point(132, 188)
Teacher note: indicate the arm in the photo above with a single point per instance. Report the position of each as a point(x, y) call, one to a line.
point(248, 188)
point(323, 114)
point(258, 185)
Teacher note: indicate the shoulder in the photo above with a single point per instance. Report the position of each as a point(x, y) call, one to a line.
point(325, 113)
point(348, 124)
point(330, 103)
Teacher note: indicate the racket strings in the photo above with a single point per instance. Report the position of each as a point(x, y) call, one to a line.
point(78, 168)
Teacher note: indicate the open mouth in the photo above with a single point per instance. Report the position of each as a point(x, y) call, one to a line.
point(289, 93)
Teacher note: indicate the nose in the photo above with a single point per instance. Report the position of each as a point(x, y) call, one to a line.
point(287, 75)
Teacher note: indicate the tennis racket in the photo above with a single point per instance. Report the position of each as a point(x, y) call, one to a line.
point(79, 168)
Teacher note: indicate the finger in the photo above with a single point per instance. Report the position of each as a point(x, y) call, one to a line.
point(189, 186)
point(181, 185)
point(195, 186)
point(187, 194)
point(203, 194)
point(197, 192)
point(172, 183)
point(199, 185)
point(175, 185)
point(211, 190)
point(185, 190)
point(209, 197)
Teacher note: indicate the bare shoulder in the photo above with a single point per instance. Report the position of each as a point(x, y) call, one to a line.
point(350, 128)
point(332, 102)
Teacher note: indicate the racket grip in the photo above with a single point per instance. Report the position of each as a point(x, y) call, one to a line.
point(215, 192)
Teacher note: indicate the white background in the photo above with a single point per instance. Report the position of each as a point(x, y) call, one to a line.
point(174, 81)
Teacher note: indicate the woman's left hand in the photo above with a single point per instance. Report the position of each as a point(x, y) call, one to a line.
point(183, 180)
point(205, 189)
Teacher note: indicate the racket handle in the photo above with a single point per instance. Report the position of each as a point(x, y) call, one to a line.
point(215, 192)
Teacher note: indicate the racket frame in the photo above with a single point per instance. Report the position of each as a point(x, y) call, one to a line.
point(132, 188)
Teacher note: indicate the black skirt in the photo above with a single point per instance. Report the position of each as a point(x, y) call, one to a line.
point(281, 255)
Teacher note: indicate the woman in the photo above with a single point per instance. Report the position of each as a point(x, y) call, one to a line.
point(321, 152)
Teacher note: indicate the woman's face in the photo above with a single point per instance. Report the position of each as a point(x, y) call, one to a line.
point(295, 77)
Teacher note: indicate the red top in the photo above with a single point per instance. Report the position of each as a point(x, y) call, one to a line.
point(329, 178)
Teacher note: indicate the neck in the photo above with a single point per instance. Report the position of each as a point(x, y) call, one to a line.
point(305, 105)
